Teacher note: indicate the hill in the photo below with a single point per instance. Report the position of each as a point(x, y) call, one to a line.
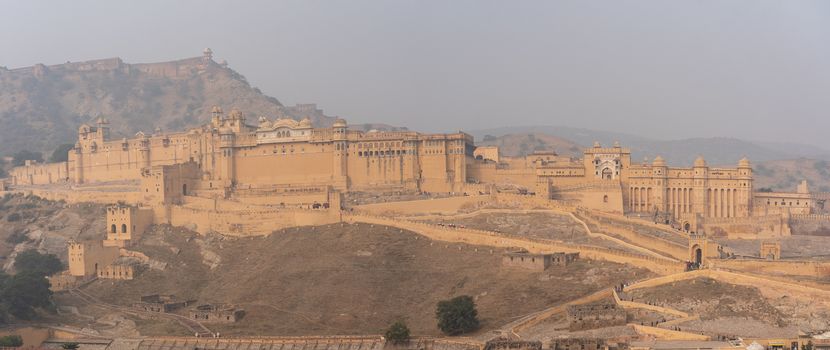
point(42, 106)
point(514, 145)
point(784, 175)
point(716, 150)
point(348, 279)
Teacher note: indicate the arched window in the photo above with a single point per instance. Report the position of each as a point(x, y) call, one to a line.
point(112, 229)
point(123, 228)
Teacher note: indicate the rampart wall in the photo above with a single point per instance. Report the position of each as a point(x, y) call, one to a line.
point(248, 222)
point(770, 286)
point(817, 269)
point(37, 173)
point(449, 205)
point(533, 245)
point(748, 227)
point(814, 224)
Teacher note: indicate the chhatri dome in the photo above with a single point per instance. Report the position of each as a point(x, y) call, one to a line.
point(658, 161)
point(339, 123)
point(700, 162)
point(744, 163)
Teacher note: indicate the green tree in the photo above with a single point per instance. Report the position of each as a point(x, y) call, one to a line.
point(398, 333)
point(70, 346)
point(23, 293)
point(11, 341)
point(22, 156)
point(457, 315)
point(61, 154)
point(32, 261)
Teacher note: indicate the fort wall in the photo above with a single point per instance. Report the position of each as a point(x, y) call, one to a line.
point(532, 245)
point(443, 206)
point(813, 224)
point(816, 269)
point(248, 222)
point(33, 173)
point(748, 227)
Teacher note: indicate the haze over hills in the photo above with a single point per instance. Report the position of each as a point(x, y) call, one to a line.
point(45, 105)
point(716, 150)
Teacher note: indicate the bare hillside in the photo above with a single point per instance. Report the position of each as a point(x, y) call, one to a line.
point(349, 279)
point(784, 175)
point(44, 105)
point(514, 145)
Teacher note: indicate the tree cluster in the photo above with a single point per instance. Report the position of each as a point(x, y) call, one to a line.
point(23, 293)
point(457, 315)
point(22, 156)
point(61, 154)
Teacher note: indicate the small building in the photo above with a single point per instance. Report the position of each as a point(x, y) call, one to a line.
point(490, 153)
point(62, 281)
point(117, 271)
point(586, 344)
point(770, 250)
point(507, 344)
point(595, 315)
point(537, 262)
point(216, 313)
point(126, 223)
point(87, 258)
point(163, 303)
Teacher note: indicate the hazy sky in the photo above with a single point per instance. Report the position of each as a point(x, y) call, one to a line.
point(664, 69)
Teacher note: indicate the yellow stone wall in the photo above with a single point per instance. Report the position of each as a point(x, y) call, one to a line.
point(125, 223)
point(87, 258)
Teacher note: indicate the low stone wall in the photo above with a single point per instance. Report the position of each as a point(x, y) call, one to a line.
point(248, 222)
point(666, 334)
point(533, 245)
point(813, 225)
point(659, 309)
point(450, 205)
point(753, 227)
point(768, 285)
point(817, 269)
point(70, 196)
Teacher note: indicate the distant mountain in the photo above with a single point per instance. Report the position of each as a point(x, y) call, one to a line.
point(42, 106)
point(716, 150)
point(784, 175)
point(514, 145)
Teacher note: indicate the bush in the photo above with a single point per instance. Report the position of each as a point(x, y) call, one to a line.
point(398, 333)
point(17, 237)
point(61, 154)
point(32, 261)
point(13, 217)
point(11, 341)
point(21, 157)
point(23, 293)
point(457, 315)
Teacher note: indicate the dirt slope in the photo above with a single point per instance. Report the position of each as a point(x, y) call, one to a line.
point(351, 279)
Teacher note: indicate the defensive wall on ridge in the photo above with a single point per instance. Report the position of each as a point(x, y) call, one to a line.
point(811, 224)
point(815, 269)
point(533, 245)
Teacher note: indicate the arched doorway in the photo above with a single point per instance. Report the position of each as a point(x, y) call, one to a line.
point(607, 174)
point(687, 227)
point(698, 255)
point(184, 189)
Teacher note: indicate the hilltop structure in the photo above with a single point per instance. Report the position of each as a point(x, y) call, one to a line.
point(228, 157)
